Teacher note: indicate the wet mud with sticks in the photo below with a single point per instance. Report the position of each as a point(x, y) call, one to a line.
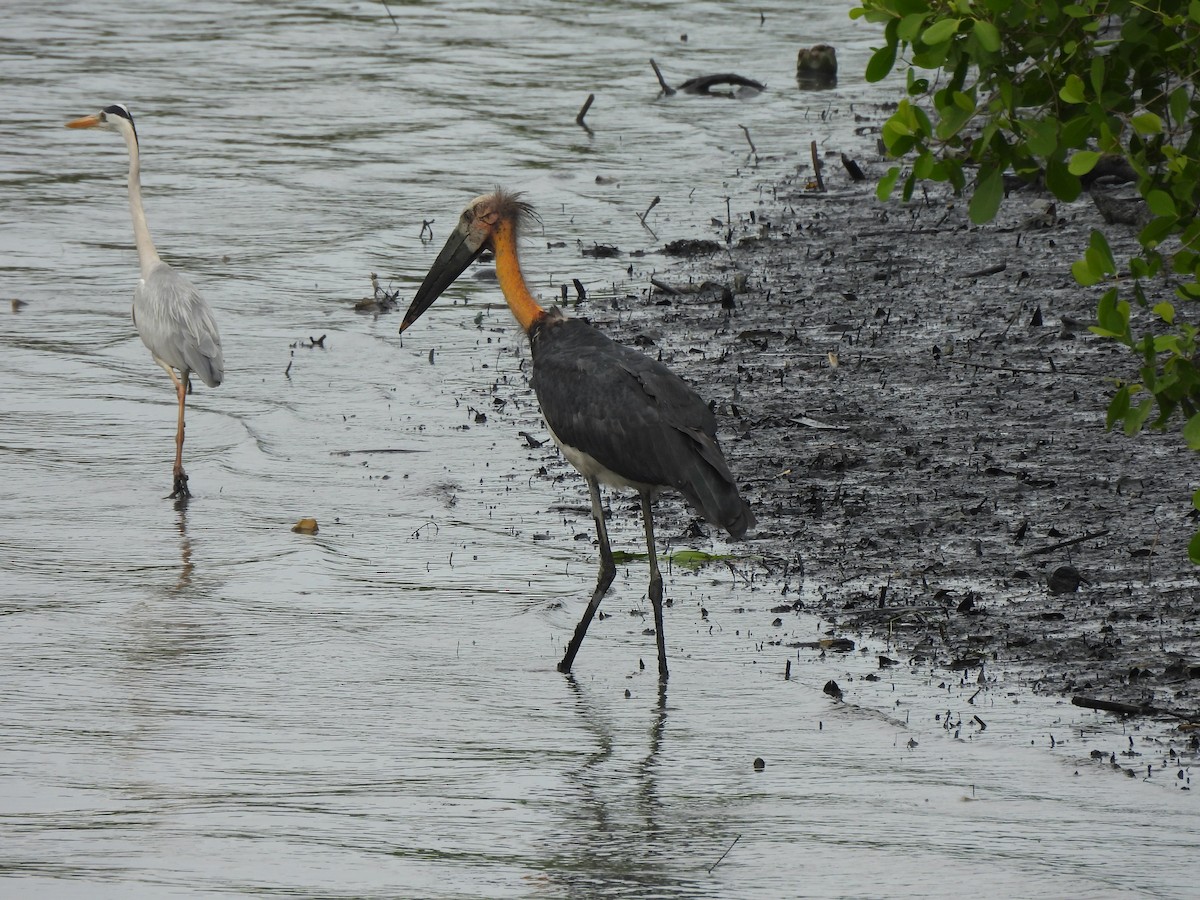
point(916, 409)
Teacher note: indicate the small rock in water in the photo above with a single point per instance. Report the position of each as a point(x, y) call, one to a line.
point(306, 526)
point(759, 764)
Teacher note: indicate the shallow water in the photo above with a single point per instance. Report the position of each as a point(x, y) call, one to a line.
point(200, 702)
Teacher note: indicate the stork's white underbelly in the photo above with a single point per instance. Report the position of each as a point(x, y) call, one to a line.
point(589, 466)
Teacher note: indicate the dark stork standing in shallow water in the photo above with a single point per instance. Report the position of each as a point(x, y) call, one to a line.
point(618, 416)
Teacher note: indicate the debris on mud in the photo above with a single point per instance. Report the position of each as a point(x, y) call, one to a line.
point(685, 247)
point(965, 501)
point(735, 86)
point(816, 66)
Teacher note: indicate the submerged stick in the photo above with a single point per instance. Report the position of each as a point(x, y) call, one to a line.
point(817, 167)
point(725, 854)
point(666, 88)
point(653, 203)
point(390, 16)
point(587, 104)
point(746, 131)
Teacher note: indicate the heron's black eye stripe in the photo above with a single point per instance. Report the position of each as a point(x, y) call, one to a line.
point(116, 111)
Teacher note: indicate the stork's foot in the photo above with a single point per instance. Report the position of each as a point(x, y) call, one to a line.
point(180, 490)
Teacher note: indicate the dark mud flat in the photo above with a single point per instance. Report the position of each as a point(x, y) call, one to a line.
point(917, 411)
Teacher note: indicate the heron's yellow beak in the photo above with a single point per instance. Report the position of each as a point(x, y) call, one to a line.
point(86, 122)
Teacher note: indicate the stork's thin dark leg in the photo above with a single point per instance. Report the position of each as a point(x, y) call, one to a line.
point(608, 570)
point(656, 586)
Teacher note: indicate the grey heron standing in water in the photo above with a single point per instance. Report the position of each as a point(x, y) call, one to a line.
point(173, 320)
point(618, 416)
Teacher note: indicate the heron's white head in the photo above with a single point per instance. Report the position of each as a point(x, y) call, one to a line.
point(115, 117)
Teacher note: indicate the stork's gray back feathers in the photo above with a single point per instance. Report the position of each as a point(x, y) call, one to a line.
point(634, 416)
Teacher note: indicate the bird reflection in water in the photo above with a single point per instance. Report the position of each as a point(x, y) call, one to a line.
point(185, 547)
point(622, 837)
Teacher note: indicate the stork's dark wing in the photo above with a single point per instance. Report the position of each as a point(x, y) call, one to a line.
point(634, 416)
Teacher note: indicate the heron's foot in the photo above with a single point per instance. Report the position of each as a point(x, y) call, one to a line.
point(180, 490)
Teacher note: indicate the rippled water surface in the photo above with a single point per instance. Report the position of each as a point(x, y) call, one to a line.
point(196, 701)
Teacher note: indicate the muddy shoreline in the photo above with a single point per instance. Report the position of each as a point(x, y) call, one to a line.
point(916, 409)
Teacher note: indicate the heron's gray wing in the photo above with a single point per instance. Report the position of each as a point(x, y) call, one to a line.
point(177, 325)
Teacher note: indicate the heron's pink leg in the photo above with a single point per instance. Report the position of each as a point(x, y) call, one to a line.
point(179, 488)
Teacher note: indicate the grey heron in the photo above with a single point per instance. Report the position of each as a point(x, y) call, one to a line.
point(618, 416)
point(174, 321)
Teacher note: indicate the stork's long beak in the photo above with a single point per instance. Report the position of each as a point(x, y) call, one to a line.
point(86, 122)
point(450, 263)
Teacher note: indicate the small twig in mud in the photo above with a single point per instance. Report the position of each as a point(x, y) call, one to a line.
point(1072, 542)
point(725, 854)
point(663, 286)
point(287, 373)
point(817, 167)
point(1130, 709)
point(587, 104)
point(1019, 370)
point(990, 270)
point(580, 293)
point(815, 423)
point(746, 131)
point(734, 571)
point(390, 16)
point(895, 612)
point(662, 82)
point(913, 230)
point(853, 168)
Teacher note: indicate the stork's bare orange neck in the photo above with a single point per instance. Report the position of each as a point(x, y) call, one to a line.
point(508, 272)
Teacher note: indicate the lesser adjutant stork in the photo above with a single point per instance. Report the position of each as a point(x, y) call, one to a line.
point(618, 416)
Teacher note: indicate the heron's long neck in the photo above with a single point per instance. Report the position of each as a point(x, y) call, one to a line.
point(147, 255)
point(508, 271)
